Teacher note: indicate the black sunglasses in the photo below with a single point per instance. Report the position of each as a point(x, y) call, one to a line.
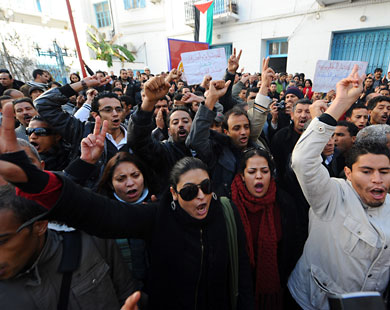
point(40, 132)
point(190, 191)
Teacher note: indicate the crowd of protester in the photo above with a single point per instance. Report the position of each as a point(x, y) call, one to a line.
point(251, 192)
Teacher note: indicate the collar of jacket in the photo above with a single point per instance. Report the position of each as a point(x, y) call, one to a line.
point(52, 242)
point(181, 146)
point(291, 132)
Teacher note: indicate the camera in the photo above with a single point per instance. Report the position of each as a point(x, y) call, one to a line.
point(281, 105)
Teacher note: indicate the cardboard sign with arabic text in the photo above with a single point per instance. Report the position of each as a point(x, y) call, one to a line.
point(200, 63)
point(329, 72)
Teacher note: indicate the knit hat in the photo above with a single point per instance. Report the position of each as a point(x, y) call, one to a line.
point(295, 91)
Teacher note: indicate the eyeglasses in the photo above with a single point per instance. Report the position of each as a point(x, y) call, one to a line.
point(190, 191)
point(111, 109)
point(40, 131)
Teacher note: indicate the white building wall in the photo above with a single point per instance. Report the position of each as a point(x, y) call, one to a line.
point(307, 26)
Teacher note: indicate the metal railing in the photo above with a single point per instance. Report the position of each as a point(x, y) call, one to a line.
point(220, 7)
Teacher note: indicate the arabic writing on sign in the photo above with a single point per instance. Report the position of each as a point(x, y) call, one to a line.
point(329, 72)
point(207, 62)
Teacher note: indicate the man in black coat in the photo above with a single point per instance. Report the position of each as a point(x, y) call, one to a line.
point(8, 82)
point(283, 143)
point(162, 156)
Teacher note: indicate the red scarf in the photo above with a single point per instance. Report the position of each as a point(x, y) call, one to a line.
point(265, 209)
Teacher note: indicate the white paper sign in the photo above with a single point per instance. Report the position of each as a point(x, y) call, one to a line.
point(207, 62)
point(329, 72)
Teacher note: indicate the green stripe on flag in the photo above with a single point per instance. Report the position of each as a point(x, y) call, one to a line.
point(209, 31)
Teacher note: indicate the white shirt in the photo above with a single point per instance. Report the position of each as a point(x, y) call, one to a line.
point(121, 143)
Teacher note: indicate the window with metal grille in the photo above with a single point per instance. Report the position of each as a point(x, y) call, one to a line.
point(372, 46)
point(102, 12)
point(133, 4)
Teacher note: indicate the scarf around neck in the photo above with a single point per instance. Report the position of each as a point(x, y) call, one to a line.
point(265, 261)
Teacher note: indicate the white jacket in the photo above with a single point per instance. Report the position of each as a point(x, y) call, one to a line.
point(348, 245)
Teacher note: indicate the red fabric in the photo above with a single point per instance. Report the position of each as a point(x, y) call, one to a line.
point(310, 92)
point(49, 196)
point(203, 7)
point(263, 213)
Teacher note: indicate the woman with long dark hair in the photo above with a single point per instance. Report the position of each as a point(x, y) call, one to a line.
point(127, 179)
point(270, 221)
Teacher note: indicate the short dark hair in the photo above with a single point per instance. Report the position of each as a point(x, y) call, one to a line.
point(233, 111)
point(371, 104)
point(37, 72)
point(354, 107)
point(351, 127)
point(99, 71)
point(378, 70)
point(363, 148)
point(23, 209)
point(178, 97)
point(54, 83)
point(128, 100)
point(117, 89)
point(251, 90)
point(182, 166)
point(105, 94)
point(9, 74)
point(4, 97)
point(179, 108)
point(166, 98)
point(39, 119)
point(9, 91)
point(24, 99)
point(302, 101)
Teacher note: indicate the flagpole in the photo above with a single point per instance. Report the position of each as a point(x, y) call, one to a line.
point(76, 40)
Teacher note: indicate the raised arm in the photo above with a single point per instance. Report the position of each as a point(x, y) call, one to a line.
point(240, 85)
point(66, 201)
point(258, 113)
point(233, 63)
point(49, 107)
point(83, 113)
point(313, 177)
point(141, 125)
point(199, 137)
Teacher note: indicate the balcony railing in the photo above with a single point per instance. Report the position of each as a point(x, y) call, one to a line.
point(224, 11)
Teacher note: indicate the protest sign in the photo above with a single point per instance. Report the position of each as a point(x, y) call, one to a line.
point(208, 62)
point(176, 47)
point(329, 72)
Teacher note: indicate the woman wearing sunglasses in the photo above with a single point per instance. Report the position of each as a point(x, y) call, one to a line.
point(271, 226)
point(185, 232)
